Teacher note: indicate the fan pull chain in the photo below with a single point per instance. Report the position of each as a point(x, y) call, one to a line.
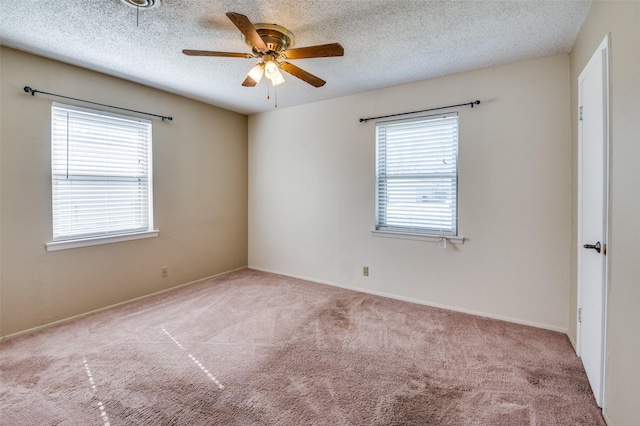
point(275, 94)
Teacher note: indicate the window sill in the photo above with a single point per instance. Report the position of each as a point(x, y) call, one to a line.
point(433, 238)
point(85, 242)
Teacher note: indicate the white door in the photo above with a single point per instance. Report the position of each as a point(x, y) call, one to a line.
point(593, 170)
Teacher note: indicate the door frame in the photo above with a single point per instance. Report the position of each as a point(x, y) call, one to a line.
point(604, 47)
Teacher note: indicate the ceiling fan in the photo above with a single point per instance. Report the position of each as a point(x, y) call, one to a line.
point(272, 44)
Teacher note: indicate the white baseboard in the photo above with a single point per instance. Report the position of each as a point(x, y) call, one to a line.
point(573, 342)
point(420, 302)
point(126, 302)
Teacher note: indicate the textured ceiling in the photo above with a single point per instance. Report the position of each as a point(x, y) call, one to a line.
point(386, 43)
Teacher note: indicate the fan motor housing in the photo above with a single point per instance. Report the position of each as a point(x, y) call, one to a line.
point(277, 38)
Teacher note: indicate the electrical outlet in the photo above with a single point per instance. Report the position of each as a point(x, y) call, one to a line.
point(365, 271)
point(164, 272)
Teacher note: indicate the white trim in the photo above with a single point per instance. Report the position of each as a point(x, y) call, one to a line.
point(419, 302)
point(433, 238)
point(116, 305)
point(573, 343)
point(85, 242)
point(606, 43)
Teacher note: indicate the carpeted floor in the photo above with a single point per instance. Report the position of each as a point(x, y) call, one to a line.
point(251, 348)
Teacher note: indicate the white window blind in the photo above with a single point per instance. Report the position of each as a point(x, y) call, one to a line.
point(101, 173)
point(417, 175)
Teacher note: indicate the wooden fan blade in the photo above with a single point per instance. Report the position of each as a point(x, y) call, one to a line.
point(246, 27)
point(212, 53)
point(320, 51)
point(302, 74)
point(249, 82)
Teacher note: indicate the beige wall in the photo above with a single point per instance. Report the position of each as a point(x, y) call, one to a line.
point(200, 198)
point(622, 20)
point(311, 195)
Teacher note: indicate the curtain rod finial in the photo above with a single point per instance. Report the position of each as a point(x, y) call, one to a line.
point(29, 90)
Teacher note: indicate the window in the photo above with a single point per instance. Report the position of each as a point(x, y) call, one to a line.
point(417, 175)
point(100, 176)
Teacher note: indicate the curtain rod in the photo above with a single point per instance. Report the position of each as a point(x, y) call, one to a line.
point(34, 91)
point(364, 120)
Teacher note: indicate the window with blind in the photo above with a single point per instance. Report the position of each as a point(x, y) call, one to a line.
point(417, 175)
point(100, 174)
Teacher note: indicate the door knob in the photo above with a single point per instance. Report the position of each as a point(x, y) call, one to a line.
point(595, 246)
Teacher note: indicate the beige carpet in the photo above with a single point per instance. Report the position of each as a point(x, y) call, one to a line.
point(252, 348)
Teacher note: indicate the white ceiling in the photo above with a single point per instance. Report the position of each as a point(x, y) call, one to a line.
point(386, 42)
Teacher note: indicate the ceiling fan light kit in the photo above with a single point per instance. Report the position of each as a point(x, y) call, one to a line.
point(271, 43)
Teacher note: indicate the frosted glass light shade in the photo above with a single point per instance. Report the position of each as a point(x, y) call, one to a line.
point(271, 70)
point(256, 73)
point(278, 79)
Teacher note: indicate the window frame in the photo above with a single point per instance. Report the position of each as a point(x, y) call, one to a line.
point(383, 227)
point(72, 240)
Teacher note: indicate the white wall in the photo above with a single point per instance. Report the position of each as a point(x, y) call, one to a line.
point(622, 20)
point(200, 197)
point(311, 195)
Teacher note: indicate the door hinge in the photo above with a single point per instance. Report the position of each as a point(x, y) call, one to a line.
point(579, 314)
point(580, 114)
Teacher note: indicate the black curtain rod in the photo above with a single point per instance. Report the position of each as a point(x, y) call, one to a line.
point(34, 91)
point(364, 120)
